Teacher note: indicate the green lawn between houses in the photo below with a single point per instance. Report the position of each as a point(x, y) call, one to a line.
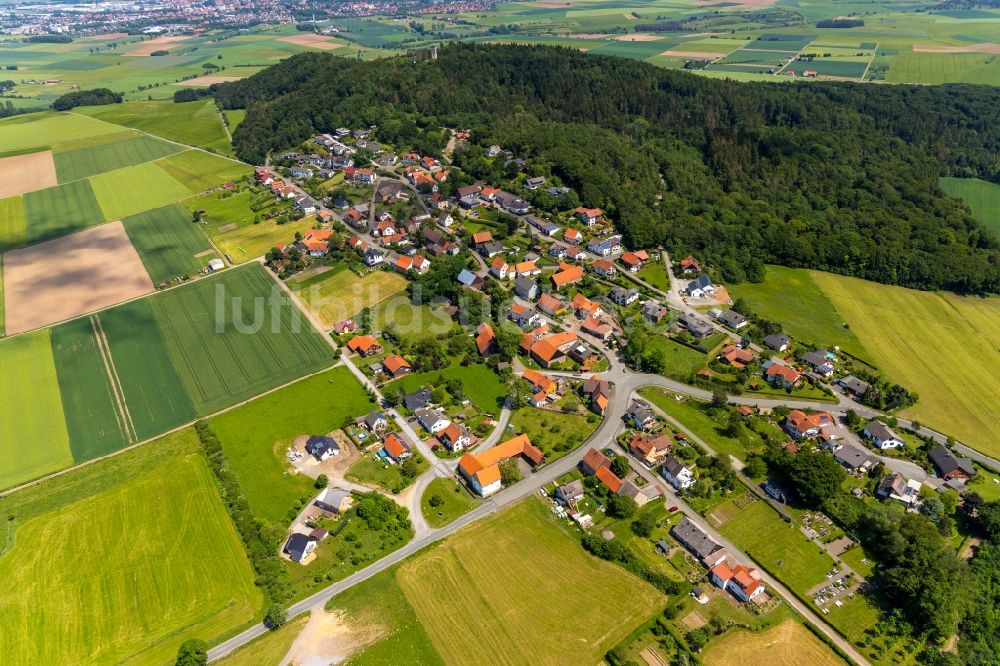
point(120, 561)
point(481, 384)
point(455, 502)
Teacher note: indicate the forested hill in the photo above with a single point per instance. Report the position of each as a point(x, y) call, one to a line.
point(841, 177)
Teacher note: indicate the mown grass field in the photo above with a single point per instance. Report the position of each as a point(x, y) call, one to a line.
point(409, 319)
point(981, 196)
point(341, 294)
point(57, 211)
point(482, 386)
point(33, 436)
point(793, 298)
point(193, 123)
point(86, 162)
point(254, 240)
point(255, 435)
point(555, 433)
point(167, 241)
point(199, 171)
point(942, 346)
point(13, 228)
point(455, 502)
point(692, 415)
point(777, 546)
point(38, 130)
point(786, 644)
point(119, 562)
point(260, 340)
point(467, 608)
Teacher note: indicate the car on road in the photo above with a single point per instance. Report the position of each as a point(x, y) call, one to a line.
point(673, 509)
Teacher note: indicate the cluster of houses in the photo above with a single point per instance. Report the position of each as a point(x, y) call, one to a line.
point(282, 190)
point(741, 581)
point(482, 470)
point(654, 450)
point(306, 534)
point(598, 465)
point(392, 366)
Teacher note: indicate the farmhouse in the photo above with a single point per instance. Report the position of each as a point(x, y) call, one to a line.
point(609, 479)
point(547, 349)
point(700, 544)
point(322, 447)
point(882, 436)
point(482, 470)
point(592, 461)
point(598, 392)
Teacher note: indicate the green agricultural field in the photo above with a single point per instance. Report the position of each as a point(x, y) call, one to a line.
point(234, 117)
point(235, 335)
point(85, 162)
point(13, 228)
point(779, 547)
point(342, 294)
point(455, 501)
point(481, 384)
point(61, 210)
point(119, 562)
point(135, 189)
point(679, 360)
point(942, 346)
point(33, 436)
point(793, 298)
point(555, 433)
point(255, 436)
point(788, 642)
point(391, 626)
point(982, 197)
point(543, 568)
point(168, 242)
point(199, 171)
point(96, 417)
point(195, 123)
point(909, 67)
point(38, 130)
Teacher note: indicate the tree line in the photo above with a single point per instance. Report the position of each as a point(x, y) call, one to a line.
point(826, 176)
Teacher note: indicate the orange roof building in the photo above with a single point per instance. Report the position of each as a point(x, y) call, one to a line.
point(608, 478)
point(539, 381)
point(482, 470)
point(395, 448)
point(552, 348)
point(485, 339)
point(566, 275)
point(481, 237)
point(782, 375)
point(585, 307)
point(592, 461)
point(365, 345)
point(551, 305)
point(396, 365)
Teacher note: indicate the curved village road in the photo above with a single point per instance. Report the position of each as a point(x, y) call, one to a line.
point(603, 436)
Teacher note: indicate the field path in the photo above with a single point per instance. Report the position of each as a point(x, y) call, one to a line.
point(122, 414)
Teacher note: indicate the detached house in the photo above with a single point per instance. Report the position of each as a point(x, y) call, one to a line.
point(598, 392)
point(897, 487)
point(782, 375)
point(486, 339)
point(455, 437)
point(524, 316)
point(605, 247)
point(700, 544)
point(777, 341)
point(604, 267)
point(651, 451)
point(396, 366)
point(526, 288)
point(883, 436)
point(501, 269)
point(732, 319)
point(584, 307)
point(551, 305)
point(432, 420)
point(689, 265)
point(801, 425)
point(365, 345)
point(395, 448)
point(566, 275)
point(949, 466)
point(743, 582)
point(623, 297)
point(700, 287)
point(676, 473)
point(640, 416)
point(632, 262)
point(573, 236)
point(589, 216)
point(821, 361)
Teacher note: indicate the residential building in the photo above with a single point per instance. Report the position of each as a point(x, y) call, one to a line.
point(641, 416)
point(527, 269)
point(419, 399)
point(566, 275)
point(854, 386)
point(777, 341)
point(501, 269)
point(573, 236)
point(604, 267)
point(534, 183)
point(897, 487)
point(605, 247)
point(743, 582)
point(542, 386)
point(570, 493)
point(526, 288)
point(855, 459)
point(949, 466)
point(469, 279)
point(486, 339)
point(732, 319)
point(589, 216)
point(551, 305)
point(883, 436)
point(396, 365)
point(432, 420)
point(821, 361)
point(376, 422)
point(364, 345)
point(592, 461)
point(334, 500)
point(374, 256)
point(552, 348)
point(700, 287)
point(584, 307)
point(632, 262)
point(598, 393)
point(482, 470)
point(623, 297)
point(737, 357)
point(676, 473)
point(299, 547)
point(489, 249)
point(781, 375)
point(322, 447)
point(609, 479)
point(651, 451)
point(700, 544)
point(455, 437)
point(393, 447)
point(689, 265)
point(695, 326)
point(524, 316)
point(801, 425)
point(654, 312)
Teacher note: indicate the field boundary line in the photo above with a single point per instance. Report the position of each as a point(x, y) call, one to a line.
point(870, 61)
point(104, 350)
point(62, 472)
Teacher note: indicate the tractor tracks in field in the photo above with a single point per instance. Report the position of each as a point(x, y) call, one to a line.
point(122, 414)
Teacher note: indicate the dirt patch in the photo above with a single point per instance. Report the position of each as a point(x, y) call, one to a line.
point(27, 173)
point(588, 35)
point(232, 226)
point(207, 80)
point(334, 467)
point(639, 37)
point(551, 4)
point(744, 4)
point(321, 42)
point(693, 620)
point(328, 638)
point(706, 55)
point(985, 47)
point(631, 16)
point(108, 37)
point(71, 276)
point(652, 657)
point(156, 44)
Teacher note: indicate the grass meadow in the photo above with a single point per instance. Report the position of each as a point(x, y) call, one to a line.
point(269, 649)
point(254, 240)
point(220, 364)
point(787, 643)
point(942, 346)
point(793, 298)
point(342, 294)
point(555, 433)
point(90, 161)
point(199, 171)
point(33, 436)
point(467, 608)
point(40, 130)
point(693, 416)
point(982, 197)
point(119, 562)
point(13, 227)
point(192, 123)
point(167, 241)
point(781, 548)
point(255, 435)
point(61, 210)
point(481, 384)
point(455, 501)
point(135, 189)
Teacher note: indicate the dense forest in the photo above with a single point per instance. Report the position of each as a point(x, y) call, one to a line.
point(835, 176)
point(94, 97)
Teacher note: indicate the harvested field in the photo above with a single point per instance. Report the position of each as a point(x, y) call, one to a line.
point(788, 644)
point(639, 37)
point(205, 81)
point(26, 173)
point(468, 609)
point(313, 41)
point(708, 55)
point(71, 276)
point(985, 47)
point(156, 44)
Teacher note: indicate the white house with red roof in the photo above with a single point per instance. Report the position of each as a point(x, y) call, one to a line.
point(742, 581)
